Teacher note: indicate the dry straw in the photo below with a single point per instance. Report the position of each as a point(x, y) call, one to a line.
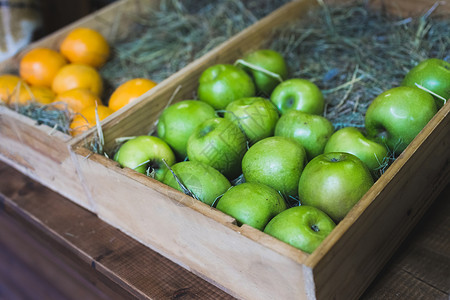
point(164, 42)
point(49, 115)
point(178, 33)
point(354, 53)
point(351, 52)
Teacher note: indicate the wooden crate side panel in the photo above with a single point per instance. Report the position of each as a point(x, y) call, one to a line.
point(40, 138)
point(347, 262)
point(194, 235)
point(41, 153)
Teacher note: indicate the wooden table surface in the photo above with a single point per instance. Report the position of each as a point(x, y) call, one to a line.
point(50, 248)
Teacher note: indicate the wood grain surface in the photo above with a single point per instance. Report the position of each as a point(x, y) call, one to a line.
point(51, 248)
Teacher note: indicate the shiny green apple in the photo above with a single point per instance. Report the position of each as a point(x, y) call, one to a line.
point(178, 121)
point(334, 182)
point(298, 94)
point(221, 84)
point(256, 116)
point(253, 204)
point(352, 140)
point(203, 181)
point(304, 227)
point(276, 162)
point(312, 131)
point(144, 154)
point(220, 143)
point(268, 60)
point(432, 74)
point(397, 115)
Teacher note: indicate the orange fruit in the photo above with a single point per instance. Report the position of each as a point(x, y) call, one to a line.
point(34, 93)
point(86, 118)
point(73, 76)
point(129, 91)
point(40, 65)
point(85, 46)
point(9, 85)
point(77, 99)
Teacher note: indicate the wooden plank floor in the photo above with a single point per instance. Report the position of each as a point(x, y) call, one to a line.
point(51, 248)
point(66, 252)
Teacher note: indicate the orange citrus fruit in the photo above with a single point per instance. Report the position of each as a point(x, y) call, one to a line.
point(34, 93)
point(9, 85)
point(73, 76)
point(76, 100)
point(40, 65)
point(85, 46)
point(86, 118)
point(129, 91)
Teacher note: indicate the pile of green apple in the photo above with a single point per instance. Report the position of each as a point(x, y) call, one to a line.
point(256, 146)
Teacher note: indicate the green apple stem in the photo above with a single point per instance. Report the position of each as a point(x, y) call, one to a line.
point(315, 228)
point(431, 92)
point(258, 68)
point(151, 172)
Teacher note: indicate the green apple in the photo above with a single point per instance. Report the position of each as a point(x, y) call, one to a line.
point(397, 115)
point(253, 204)
point(203, 181)
point(258, 62)
point(220, 143)
point(334, 182)
point(304, 227)
point(256, 116)
point(276, 162)
point(298, 94)
point(434, 75)
point(352, 140)
point(221, 84)
point(178, 121)
point(145, 155)
point(312, 131)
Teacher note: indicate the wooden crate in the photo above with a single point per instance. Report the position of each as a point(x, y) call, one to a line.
point(242, 260)
point(39, 151)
